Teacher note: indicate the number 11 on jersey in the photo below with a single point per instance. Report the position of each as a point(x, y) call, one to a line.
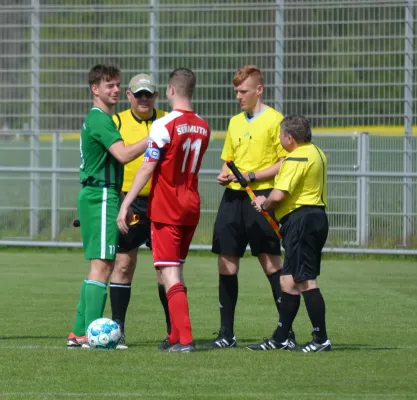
point(191, 146)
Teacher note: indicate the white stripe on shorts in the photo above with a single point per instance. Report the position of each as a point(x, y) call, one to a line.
point(166, 263)
point(103, 224)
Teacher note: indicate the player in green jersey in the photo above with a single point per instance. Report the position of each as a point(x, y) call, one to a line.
point(103, 154)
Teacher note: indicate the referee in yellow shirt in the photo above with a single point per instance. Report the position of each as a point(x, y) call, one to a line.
point(299, 199)
point(134, 124)
point(252, 142)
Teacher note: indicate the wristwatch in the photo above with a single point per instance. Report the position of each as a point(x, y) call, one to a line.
point(251, 176)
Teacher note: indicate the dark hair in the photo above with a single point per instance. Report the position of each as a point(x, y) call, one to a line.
point(298, 127)
point(183, 79)
point(102, 72)
point(245, 72)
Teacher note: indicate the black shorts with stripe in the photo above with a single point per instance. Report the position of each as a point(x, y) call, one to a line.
point(239, 224)
point(304, 233)
point(139, 233)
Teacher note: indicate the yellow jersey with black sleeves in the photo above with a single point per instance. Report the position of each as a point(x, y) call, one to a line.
point(253, 144)
point(303, 175)
point(132, 130)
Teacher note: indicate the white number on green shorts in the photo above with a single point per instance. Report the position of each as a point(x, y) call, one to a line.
point(81, 154)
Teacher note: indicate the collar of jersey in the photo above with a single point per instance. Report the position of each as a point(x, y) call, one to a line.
point(255, 115)
point(183, 111)
point(153, 118)
point(98, 109)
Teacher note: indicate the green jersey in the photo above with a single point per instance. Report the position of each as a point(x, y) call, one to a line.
point(98, 167)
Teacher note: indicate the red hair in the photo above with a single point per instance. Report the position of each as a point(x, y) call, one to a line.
point(245, 72)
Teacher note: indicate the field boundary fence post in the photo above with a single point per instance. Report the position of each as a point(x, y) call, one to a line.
point(55, 187)
point(154, 39)
point(363, 194)
point(34, 121)
point(34, 183)
point(356, 167)
point(407, 225)
point(407, 230)
point(279, 55)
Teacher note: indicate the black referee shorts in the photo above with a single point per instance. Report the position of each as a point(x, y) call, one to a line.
point(239, 224)
point(139, 233)
point(304, 233)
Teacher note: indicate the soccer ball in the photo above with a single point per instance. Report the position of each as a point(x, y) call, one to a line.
point(103, 333)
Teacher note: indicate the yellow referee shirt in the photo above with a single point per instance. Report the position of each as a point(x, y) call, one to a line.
point(133, 130)
point(253, 144)
point(303, 175)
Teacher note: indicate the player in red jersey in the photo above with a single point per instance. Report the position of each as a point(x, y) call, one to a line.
point(177, 143)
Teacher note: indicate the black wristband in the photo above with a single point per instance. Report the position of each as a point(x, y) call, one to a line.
point(251, 176)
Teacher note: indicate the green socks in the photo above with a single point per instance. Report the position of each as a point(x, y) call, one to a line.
point(91, 305)
point(95, 301)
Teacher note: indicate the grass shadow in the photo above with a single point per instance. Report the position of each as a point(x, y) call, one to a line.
point(30, 337)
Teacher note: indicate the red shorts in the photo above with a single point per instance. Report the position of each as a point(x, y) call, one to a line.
point(170, 243)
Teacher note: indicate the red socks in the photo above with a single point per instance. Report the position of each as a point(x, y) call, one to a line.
point(179, 315)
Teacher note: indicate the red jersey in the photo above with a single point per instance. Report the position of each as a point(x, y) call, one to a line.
point(178, 141)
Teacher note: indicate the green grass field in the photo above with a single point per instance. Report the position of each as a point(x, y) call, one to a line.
point(371, 312)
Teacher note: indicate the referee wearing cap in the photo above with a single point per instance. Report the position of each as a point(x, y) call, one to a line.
point(134, 124)
point(252, 142)
point(299, 199)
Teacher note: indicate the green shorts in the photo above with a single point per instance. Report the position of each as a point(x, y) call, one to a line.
point(98, 209)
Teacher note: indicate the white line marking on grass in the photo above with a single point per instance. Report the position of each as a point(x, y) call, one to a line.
point(147, 395)
point(33, 347)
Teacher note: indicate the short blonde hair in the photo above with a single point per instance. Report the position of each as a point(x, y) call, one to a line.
point(245, 72)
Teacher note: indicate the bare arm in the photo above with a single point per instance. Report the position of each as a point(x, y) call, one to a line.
point(271, 202)
point(130, 215)
point(270, 172)
point(124, 154)
point(141, 178)
point(274, 198)
point(264, 174)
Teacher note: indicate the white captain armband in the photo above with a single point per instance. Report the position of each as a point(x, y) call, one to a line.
point(152, 154)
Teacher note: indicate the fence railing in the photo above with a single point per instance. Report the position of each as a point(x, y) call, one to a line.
point(340, 63)
point(347, 65)
point(372, 203)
